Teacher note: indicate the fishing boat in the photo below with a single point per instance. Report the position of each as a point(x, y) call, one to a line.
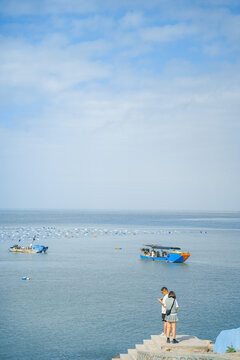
point(31, 249)
point(171, 254)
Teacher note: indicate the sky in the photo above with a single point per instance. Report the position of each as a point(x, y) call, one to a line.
point(120, 104)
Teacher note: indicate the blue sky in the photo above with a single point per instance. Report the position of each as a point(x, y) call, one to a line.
point(120, 104)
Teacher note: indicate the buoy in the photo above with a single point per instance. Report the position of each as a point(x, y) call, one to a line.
point(95, 236)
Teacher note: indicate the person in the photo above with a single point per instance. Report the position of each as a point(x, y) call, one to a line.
point(162, 301)
point(146, 252)
point(31, 245)
point(171, 320)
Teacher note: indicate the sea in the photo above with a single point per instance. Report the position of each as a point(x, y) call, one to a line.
point(91, 297)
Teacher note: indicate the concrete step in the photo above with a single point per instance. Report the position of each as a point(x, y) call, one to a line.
point(187, 344)
point(151, 346)
point(125, 357)
point(132, 353)
point(158, 341)
point(141, 347)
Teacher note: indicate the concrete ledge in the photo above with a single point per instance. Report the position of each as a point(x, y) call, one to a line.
point(147, 355)
point(189, 348)
point(188, 344)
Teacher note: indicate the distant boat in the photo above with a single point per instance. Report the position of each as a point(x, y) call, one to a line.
point(156, 252)
point(31, 249)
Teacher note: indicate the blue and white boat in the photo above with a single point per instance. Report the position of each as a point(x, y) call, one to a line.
point(156, 252)
point(35, 249)
point(31, 249)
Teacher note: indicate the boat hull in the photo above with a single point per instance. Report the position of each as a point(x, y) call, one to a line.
point(173, 257)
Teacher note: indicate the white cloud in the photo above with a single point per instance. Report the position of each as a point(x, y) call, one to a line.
point(211, 23)
point(48, 67)
point(131, 20)
point(167, 33)
point(96, 24)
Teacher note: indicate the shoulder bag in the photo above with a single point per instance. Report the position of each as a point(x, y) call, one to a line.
point(168, 312)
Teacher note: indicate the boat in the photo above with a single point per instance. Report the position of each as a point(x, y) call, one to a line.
point(168, 254)
point(31, 249)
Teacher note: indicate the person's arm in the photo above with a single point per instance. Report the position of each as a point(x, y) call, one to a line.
point(177, 305)
point(160, 300)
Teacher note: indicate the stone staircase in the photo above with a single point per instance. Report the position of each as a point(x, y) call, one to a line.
point(189, 347)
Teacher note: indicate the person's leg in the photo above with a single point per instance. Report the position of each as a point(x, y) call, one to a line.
point(164, 324)
point(168, 331)
point(174, 325)
point(174, 330)
point(165, 328)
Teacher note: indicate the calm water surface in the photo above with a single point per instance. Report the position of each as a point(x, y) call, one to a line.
point(87, 300)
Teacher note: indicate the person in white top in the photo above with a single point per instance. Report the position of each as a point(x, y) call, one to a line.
point(162, 301)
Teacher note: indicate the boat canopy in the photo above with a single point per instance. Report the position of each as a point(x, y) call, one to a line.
point(154, 246)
